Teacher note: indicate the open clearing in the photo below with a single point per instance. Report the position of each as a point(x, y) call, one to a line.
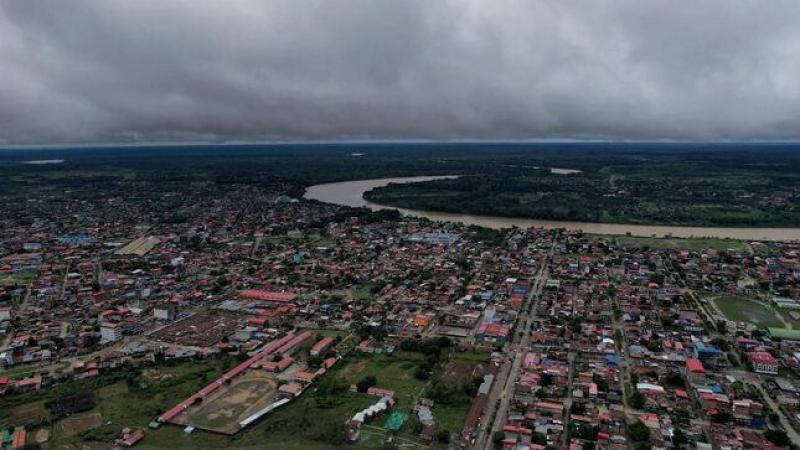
point(27, 413)
point(223, 411)
point(78, 423)
point(743, 309)
point(395, 372)
point(695, 244)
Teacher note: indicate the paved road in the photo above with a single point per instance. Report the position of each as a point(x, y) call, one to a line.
point(503, 389)
point(756, 380)
point(750, 377)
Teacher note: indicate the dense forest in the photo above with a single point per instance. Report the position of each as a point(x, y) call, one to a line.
point(718, 186)
point(731, 184)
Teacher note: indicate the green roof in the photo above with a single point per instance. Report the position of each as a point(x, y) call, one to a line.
point(784, 333)
point(395, 421)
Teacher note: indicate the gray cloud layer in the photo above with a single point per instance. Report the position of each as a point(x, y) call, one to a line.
point(157, 70)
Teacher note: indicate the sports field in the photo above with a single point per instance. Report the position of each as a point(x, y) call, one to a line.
point(224, 409)
point(743, 309)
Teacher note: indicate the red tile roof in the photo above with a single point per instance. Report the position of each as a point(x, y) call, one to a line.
point(268, 296)
point(694, 365)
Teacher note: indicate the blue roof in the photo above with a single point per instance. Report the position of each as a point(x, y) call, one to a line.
point(705, 348)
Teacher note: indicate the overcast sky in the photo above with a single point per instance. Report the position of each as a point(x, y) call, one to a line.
point(196, 70)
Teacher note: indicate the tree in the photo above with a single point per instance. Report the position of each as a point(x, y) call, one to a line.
point(636, 400)
point(721, 344)
point(421, 374)
point(443, 436)
point(365, 383)
point(778, 437)
point(497, 438)
point(539, 438)
point(675, 379)
point(678, 437)
point(639, 432)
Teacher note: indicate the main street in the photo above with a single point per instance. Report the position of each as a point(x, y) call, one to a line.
point(503, 390)
point(755, 380)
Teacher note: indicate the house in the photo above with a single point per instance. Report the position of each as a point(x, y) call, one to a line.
point(321, 347)
point(131, 438)
point(166, 312)
point(290, 390)
point(496, 332)
point(29, 384)
point(705, 352)
point(5, 313)
point(110, 332)
point(763, 362)
point(376, 391)
point(304, 376)
point(695, 370)
point(277, 366)
point(268, 296)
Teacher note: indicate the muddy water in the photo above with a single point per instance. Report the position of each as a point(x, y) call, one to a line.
point(351, 193)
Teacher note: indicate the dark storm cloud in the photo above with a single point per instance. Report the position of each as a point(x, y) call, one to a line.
point(123, 71)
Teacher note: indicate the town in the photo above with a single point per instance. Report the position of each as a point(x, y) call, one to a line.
point(246, 315)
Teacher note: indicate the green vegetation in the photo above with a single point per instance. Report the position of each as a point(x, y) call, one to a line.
point(743, 309)
point(693, 184)
point(731, 188)
point(365, 291)
point(395, 372)
point(17, 278)
point(665, 243)
point(27, 370)
point(474, 357)
point(784, 333)
point(639, 432)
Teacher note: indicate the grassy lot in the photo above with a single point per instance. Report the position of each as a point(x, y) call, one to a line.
point(363, 291)
point(695, 244)
point(395, 372)
point(33, 412)
point(313, 421)
point(452, 417)
point(297, 426)
point(119, 404)
point(21, 278)
point(320, 241)
point(742, 309)
point(476, 357)
point(325, 332)
point(25, 371)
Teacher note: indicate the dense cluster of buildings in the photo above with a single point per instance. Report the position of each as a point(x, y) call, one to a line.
point(627, 348)
point(593, 345)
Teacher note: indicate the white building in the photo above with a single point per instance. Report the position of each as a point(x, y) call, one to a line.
point(164, 312)
point(110, 332)
point(5, 313)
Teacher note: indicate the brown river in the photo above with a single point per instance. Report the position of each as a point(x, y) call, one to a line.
point(351, 193)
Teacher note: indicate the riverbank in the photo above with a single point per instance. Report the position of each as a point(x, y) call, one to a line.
point(351, 193)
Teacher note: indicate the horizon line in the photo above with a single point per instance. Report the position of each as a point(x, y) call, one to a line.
point(289, 143)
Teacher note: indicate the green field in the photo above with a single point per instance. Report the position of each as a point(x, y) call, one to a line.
point(663, 243)
point(395, 372)
point(742, 309)
point(123, 403)
point(363, 291)
point(474, 357)
point(313, 421)
point(25, 371)
point(20, 278)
